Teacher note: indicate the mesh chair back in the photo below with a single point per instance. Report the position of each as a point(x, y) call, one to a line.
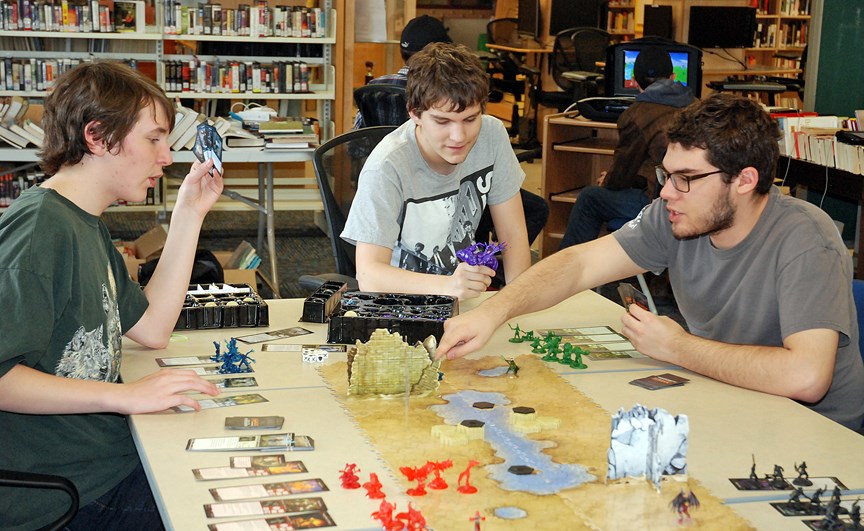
point(590, 46)
point(32, 480)
point(502, 31)
point(381, 104)
point(337, 165)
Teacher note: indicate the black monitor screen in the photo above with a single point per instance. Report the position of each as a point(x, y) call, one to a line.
point(529, 18)
point(565, 14)
point(722, 26)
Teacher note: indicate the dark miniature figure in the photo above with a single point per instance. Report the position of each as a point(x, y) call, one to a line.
point(803, 477)
point(753, 475)
point(795, 498)
point(777, 480)
point(682, 503)
point(815, 499)
point(855, 515)
point(511, 366)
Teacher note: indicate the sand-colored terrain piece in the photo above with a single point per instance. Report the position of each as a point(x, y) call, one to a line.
point(401, 430)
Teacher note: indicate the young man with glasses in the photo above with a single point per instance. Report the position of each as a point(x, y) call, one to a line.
point(763, 280)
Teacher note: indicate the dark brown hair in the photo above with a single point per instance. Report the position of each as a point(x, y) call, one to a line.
point(443, 72)
point(107, 93)
point(735, 132)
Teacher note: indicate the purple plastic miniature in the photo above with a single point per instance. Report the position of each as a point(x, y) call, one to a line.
point(481, 254)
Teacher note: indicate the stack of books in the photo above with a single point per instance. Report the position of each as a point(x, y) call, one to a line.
point(288, 134)
point(15, 128)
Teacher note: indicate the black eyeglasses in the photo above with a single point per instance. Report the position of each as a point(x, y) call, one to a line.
point(680, 181)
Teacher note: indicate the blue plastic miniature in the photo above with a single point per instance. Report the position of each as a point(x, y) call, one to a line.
point(232, 361)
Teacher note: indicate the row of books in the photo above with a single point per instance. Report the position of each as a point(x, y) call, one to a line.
point(794, 7)
point(12, 184)
point(35, 74)
point(807, 136)
point(227, 77)
point(790, 34)
point(258, 20)
point(15, 128)
point(621, 21)
point(64, 16)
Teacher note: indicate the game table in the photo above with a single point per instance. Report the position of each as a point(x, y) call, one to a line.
point(728, 425)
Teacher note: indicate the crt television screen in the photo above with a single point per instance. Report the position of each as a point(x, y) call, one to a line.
point(680, 67)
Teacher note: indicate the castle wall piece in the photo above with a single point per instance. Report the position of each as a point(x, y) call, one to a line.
point(647, 443)
point(386, 365)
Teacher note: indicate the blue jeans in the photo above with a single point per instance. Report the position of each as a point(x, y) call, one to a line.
point(595, 206)
point(129, 505)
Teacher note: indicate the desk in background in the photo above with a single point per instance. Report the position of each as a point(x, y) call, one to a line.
point(728, 424)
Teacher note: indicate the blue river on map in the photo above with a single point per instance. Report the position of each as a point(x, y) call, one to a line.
point(513, 447)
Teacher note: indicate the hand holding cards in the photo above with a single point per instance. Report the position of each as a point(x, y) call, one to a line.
point(630, 295)
point(208, 145)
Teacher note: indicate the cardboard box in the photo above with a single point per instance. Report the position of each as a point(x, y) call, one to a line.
point(146, 247)
point(236, 276)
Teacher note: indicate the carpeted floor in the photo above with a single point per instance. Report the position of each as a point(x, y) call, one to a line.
point(301, 247)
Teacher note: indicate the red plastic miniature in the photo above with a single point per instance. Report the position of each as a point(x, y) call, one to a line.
point(467, 488)
point(349, 477)
point(384, 514)
point(418, 474)
point(437, 467)
point(373, 487)
point(477, 519)
point(414, 520)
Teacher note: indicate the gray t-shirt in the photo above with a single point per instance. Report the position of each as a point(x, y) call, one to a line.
point(425, 217)
point(791, 273)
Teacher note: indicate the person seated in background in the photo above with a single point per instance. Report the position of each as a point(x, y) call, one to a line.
point(423, 189)
point(419, 32)
point(763, 279)
point(628, 186)
point(70, 301)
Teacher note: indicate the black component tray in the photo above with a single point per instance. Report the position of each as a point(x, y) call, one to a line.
point(415, 317)
point(222, 306)
point(318, 306)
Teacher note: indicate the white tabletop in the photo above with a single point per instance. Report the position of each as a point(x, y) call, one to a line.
point(727, 424)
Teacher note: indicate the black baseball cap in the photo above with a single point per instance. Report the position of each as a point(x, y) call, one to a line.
point(422, 30)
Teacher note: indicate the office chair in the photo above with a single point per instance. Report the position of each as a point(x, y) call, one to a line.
point(573, 64)
point(505, 68)
point(381, 104)
point(337, 165)
point(32, 480)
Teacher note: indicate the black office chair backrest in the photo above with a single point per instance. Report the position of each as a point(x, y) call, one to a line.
point(337, 165)
point(381, 104)
point(32, 480)
point(578, 49)
point(502, 31)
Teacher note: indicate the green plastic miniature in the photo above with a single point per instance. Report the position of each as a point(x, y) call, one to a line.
point(567, 357)
point(511, 366)
point(577, 359)
point(537, 346)
point(517, 337)
point(528, 336)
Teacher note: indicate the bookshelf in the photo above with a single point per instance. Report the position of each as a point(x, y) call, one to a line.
point(166, 48)
point(782, 30)
point(621, 19)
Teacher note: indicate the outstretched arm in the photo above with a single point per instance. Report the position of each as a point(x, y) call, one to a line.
point(167, 287)
point(545, 284)
point(26, 390)
point(801, 369)
point(374, 273)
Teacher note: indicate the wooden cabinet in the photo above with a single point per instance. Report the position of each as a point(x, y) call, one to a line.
point(575, 151)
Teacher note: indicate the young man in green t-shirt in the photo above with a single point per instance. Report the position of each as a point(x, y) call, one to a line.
point(70, 300)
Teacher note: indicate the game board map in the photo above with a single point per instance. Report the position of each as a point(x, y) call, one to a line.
point(402, 437)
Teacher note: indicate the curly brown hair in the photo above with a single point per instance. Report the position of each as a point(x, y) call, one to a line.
point(444, 72)
point(735, 132)
point(108, 94)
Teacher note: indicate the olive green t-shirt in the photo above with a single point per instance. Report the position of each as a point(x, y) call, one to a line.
point(68, 300)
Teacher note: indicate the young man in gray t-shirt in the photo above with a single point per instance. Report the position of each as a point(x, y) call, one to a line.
point(423, 189)
point(763, 280)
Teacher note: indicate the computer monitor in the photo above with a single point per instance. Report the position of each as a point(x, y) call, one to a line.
point(529, 19)
point(722, 26)
point(620, 58)
point(565, 14)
